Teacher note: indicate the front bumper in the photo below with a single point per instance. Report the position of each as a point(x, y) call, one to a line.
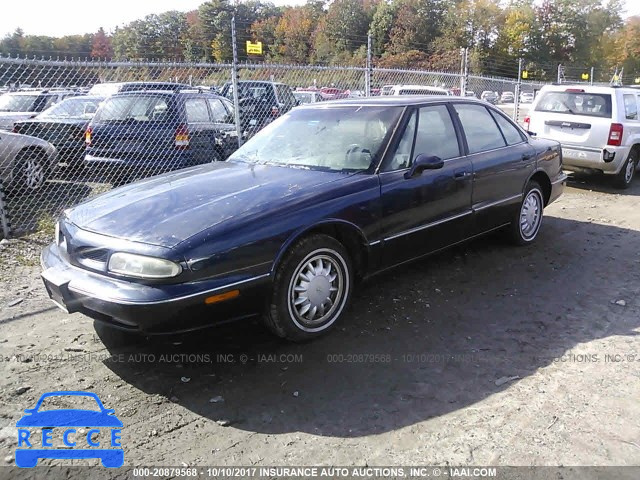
point(165, 308)
point(577, 159)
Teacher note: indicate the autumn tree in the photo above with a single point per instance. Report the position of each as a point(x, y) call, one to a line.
point(101, 46)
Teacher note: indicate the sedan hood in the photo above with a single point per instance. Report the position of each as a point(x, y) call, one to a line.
point(167, 209)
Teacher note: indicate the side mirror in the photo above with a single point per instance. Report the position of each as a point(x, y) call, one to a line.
point(424, 162)
point(531, 134)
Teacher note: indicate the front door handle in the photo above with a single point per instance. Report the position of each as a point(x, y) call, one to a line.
point(461, 175)
point(526, 156)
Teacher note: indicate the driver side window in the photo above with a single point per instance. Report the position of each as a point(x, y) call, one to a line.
point(402, 157)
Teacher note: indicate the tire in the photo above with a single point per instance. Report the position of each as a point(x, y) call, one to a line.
point(30, 172)
point(300, 314)
point(526, 223)
point(624, 178)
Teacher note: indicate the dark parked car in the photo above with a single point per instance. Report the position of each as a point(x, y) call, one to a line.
point(142, 133)
point(64, 126)
point(323, 196)
point(260, 103)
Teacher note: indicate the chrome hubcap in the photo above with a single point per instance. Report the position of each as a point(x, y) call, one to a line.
point(531, 214)
point(628, 174)
point(33, 174)
point(317, 289)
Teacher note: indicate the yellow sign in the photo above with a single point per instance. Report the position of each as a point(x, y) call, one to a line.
point(585, 76)
point(254, 48)
point(637, 80)
point(525, 74)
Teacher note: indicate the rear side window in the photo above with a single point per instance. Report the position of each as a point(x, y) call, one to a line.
point(480, 129)
point(197, 111)
point(630, 106)
point(218, 112)
point(144, 108)
point(284, 94)
point(576, 103)
point(511, 134)
point(436, 134)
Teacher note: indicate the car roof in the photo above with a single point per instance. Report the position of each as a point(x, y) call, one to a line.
point(395, 101)
point(166, 93)
point(587, 88)
point(41, 92)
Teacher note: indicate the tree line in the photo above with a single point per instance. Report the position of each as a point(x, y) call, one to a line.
point(423, 34)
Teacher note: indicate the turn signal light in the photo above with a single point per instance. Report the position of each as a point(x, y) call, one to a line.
point(222, 297)
point(87, 136)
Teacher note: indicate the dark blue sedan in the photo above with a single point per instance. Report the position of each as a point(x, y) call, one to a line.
point(324, 196)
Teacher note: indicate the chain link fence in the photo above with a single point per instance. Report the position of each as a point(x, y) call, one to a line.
point(71, 129)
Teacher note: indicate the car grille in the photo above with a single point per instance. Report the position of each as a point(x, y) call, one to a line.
point(92, 254)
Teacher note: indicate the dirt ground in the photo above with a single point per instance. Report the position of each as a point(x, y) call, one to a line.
point(486, 354)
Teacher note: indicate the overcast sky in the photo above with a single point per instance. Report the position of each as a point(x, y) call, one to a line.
point(67, 17)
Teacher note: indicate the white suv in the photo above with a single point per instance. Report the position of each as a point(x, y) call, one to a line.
point(598, 127)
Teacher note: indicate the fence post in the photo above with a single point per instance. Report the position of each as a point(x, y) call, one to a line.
point(234, 79)
point(591, 77)
point(367, 75)
point(4, 217)
point(464, 72)
point(516, 94)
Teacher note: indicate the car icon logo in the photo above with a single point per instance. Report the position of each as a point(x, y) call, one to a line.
point(29, 451)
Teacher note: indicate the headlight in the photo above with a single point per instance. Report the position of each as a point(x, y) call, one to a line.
point(142, 266)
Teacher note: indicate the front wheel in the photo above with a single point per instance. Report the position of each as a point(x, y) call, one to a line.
point(526, 223)
point(31, 171)
point(312, 287)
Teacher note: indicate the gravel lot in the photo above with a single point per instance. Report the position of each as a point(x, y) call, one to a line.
point(486, 354)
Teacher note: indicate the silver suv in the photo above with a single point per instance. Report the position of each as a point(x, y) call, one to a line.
point(598, 127)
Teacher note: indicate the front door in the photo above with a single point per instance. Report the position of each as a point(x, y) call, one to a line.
point(430, 210)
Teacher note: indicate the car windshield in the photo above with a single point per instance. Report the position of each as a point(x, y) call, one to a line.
point(133, 108)
point(73, 108)
point(346, 138)
point(17, 103)
point(576, 103)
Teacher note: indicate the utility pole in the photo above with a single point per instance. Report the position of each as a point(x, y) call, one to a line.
point(560, 73)
point(516, 95)
point(367, 77)
point(234, 78)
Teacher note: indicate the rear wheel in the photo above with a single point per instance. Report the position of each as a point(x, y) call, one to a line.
point(525, 225)
point(312, 287)
point(624, 178)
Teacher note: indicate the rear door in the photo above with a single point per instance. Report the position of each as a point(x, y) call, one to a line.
point(573, 117)
point(502, 162)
